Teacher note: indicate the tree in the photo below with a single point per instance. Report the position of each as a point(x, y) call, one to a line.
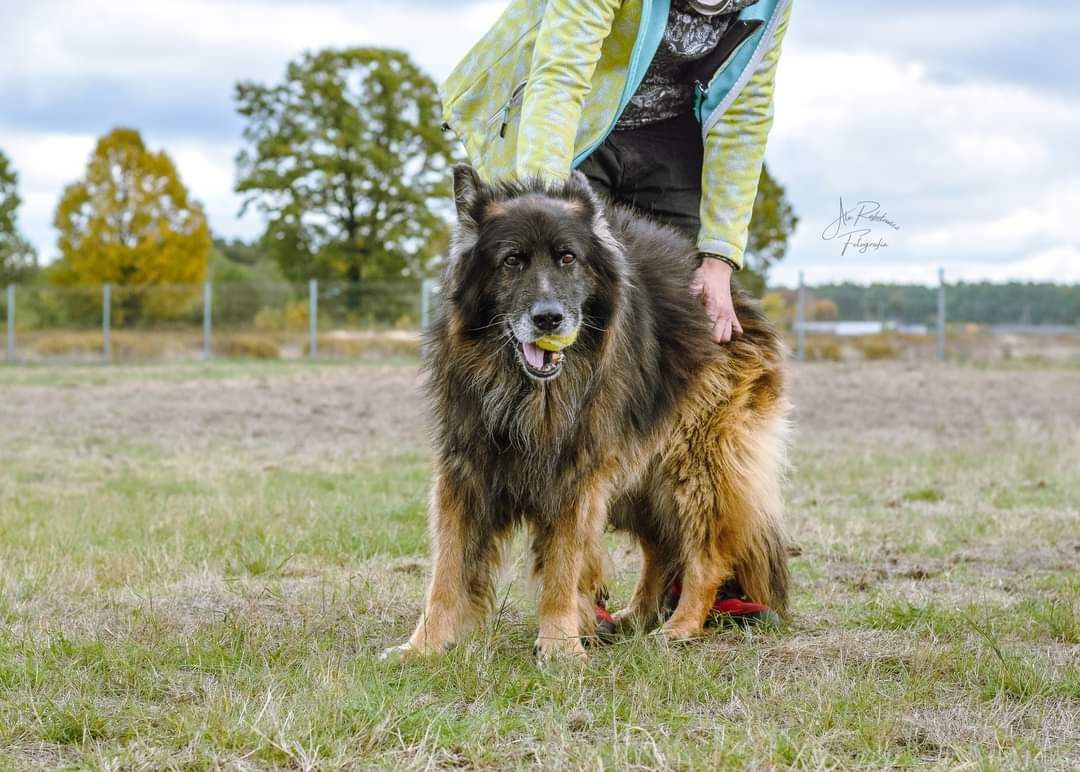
point(18, 260)
point(776, 309)
point(771, 226)
point(347, 160)
point(131, 222)
point(823, 310)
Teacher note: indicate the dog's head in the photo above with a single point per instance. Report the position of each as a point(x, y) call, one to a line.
point(533, 266)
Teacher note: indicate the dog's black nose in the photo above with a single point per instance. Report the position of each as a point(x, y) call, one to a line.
point(547, 316)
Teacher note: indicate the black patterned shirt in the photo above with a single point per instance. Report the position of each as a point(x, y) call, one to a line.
point(667, 90)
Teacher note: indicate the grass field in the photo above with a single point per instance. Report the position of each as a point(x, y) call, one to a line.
point(199, 563)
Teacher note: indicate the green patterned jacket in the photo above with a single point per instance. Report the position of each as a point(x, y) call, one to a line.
point(544, 87)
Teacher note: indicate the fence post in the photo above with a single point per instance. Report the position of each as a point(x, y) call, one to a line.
point(106, 321)
point(427, 290)
point(313, 318)
point(207, 312)
point(941, 315)
point(800, 322)
point(11, 323)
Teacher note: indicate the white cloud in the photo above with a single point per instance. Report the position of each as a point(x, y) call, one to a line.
point(45, 163)
point(1047, 220)
point(980, 175)
point(186, 40)
point(197, 46)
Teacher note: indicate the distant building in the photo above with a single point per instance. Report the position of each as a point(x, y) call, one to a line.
point(848, 329)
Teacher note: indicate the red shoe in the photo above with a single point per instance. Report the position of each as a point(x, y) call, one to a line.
point(728, 608)
point(605, 622)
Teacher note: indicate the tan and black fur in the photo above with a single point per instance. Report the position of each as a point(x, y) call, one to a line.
point(647, 426)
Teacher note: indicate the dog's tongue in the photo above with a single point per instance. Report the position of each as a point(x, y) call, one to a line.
point(534, 355)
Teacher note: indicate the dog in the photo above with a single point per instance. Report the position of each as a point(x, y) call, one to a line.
point(642, 423)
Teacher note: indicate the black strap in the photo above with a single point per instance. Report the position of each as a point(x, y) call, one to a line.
point(735, 35)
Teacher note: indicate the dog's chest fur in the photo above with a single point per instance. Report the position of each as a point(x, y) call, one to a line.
point(528, 446)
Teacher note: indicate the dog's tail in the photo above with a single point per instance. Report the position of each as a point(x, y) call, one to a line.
point(761, 565)
point(763, 572)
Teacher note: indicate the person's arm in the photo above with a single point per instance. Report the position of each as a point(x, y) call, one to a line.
point(568, 45)
point(734, 154)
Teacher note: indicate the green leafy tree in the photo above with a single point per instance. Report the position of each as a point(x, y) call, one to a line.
point(347, 161)
point(771, 227)
point(18, 260)
point(130, 221)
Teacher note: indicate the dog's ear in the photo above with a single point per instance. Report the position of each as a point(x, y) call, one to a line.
point(466, 190)
point(578, 185)
point(578, 178)
point(467, 187)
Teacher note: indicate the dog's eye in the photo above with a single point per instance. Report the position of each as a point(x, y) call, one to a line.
point(513, 259)
point(566, 258)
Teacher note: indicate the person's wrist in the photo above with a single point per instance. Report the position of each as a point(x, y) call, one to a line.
point(722, 259)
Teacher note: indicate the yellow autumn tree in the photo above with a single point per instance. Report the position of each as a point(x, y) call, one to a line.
point(130, 222)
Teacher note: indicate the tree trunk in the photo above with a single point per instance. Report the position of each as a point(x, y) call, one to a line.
point(352, 289)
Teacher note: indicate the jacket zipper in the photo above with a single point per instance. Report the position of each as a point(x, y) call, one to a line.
point(736, 37)
point(504, 111)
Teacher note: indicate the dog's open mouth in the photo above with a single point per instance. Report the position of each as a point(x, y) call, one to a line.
point(539, 363)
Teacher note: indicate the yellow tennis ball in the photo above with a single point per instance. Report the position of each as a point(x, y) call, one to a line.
point(557, 342)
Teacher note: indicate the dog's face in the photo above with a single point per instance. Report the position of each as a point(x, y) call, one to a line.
point(528, 263)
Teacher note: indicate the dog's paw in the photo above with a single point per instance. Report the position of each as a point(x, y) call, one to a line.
point(679, 633)
point(559, 649)
point(401, 653)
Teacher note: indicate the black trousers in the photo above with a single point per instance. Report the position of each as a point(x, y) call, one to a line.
point(655, 168)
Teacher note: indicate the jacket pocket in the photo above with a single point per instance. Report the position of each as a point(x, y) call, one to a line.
point(483, 116)
point(503, 112)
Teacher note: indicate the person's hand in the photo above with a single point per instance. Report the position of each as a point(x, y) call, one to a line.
point(712, 281)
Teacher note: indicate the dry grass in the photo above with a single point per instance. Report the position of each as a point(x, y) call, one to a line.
point(246, 346)
point(199, 563)
point(126, 344)
point(356, 345)
point(965, 344)
point(270, 338)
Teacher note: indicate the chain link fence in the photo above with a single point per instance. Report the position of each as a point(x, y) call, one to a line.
point(337, 320)
point(190, 322)
point(958, 322)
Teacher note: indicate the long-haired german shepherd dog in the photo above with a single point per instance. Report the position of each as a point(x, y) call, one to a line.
point(643, 423)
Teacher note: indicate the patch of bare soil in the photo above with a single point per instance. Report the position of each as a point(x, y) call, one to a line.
point(347, 412)
point(328, 412)
point(951, 403)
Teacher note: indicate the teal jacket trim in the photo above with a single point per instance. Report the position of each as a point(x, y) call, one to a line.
point(654, 15)
point(728, 82)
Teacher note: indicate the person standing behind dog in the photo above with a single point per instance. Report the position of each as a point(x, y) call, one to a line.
point(664, 105)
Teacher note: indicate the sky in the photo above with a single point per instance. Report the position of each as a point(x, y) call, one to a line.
point(957, 123)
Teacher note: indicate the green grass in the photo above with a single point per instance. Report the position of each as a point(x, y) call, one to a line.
point(164, 606)
point(96, 374)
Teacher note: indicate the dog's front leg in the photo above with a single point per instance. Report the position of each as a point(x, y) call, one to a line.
point(564, 550)
point(465, 556)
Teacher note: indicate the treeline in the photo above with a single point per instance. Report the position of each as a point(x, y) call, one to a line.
point(980, 302)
